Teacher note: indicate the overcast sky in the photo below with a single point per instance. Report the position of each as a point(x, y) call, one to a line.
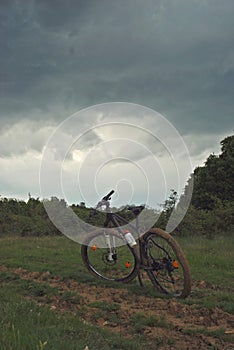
point(58, 57)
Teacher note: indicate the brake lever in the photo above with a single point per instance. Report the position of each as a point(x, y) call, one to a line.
point(94, 211)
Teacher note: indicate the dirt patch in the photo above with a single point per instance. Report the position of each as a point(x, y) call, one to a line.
point(167, 323)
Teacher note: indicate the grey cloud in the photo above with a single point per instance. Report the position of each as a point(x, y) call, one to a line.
point(86, 141)
point(172, 56)
point(23, 137)
point(31, 136)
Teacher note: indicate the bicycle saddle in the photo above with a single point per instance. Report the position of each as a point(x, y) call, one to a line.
point(136, 209)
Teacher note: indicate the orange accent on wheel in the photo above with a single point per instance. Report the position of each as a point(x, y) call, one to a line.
point(94, 247)
point(127, 264)
point(175, 264)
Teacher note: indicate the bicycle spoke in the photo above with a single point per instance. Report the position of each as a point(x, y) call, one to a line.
point(167, 266)
point(114, 262)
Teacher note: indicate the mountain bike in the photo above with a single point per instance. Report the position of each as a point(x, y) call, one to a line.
point(116, 255)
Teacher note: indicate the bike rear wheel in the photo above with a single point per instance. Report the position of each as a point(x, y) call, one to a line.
point(167, 267)
point(118, 264)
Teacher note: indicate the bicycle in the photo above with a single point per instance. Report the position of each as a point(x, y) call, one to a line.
point(115, 255)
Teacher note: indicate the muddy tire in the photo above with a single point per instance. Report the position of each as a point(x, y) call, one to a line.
point(168, 269)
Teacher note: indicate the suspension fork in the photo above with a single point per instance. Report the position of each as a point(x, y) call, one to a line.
point(111, 246)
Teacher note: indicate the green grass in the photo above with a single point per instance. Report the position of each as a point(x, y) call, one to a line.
point(72, 298)
point(110, 307)
point(217, 333)
point(139, 322)
point(211, 260)
point(59, 255)
point(26, 325)
point(211, 299)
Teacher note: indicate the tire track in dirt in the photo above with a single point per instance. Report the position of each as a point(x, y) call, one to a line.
point(180, 326)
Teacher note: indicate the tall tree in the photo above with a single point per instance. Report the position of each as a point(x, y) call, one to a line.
point(213, 183)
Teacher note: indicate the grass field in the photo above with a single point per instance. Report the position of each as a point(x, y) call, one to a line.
point(49, 301)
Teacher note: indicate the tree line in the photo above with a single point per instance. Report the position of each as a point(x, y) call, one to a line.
point(211, 210)
point(212, 206)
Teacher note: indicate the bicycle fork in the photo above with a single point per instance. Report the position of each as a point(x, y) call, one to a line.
point(111, 256)
point(111, 248)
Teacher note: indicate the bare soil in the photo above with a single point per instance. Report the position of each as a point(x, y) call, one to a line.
point(180, 326)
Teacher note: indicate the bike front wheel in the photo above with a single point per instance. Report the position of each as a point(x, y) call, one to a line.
point(113, 262)
point(167, 266)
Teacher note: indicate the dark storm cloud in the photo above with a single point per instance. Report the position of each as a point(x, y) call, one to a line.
point(176, 57)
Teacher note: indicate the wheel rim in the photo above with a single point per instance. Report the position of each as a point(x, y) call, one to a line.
point(115, 265)
point(165, 269)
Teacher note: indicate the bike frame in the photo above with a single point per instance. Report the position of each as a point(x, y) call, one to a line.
point(116, 220)
point(159, 270)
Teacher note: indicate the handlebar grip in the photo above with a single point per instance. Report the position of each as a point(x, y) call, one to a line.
point(105, 198)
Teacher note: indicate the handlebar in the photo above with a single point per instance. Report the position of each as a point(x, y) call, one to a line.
point(108, 196)
point(105, 202)
point(102, 202)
